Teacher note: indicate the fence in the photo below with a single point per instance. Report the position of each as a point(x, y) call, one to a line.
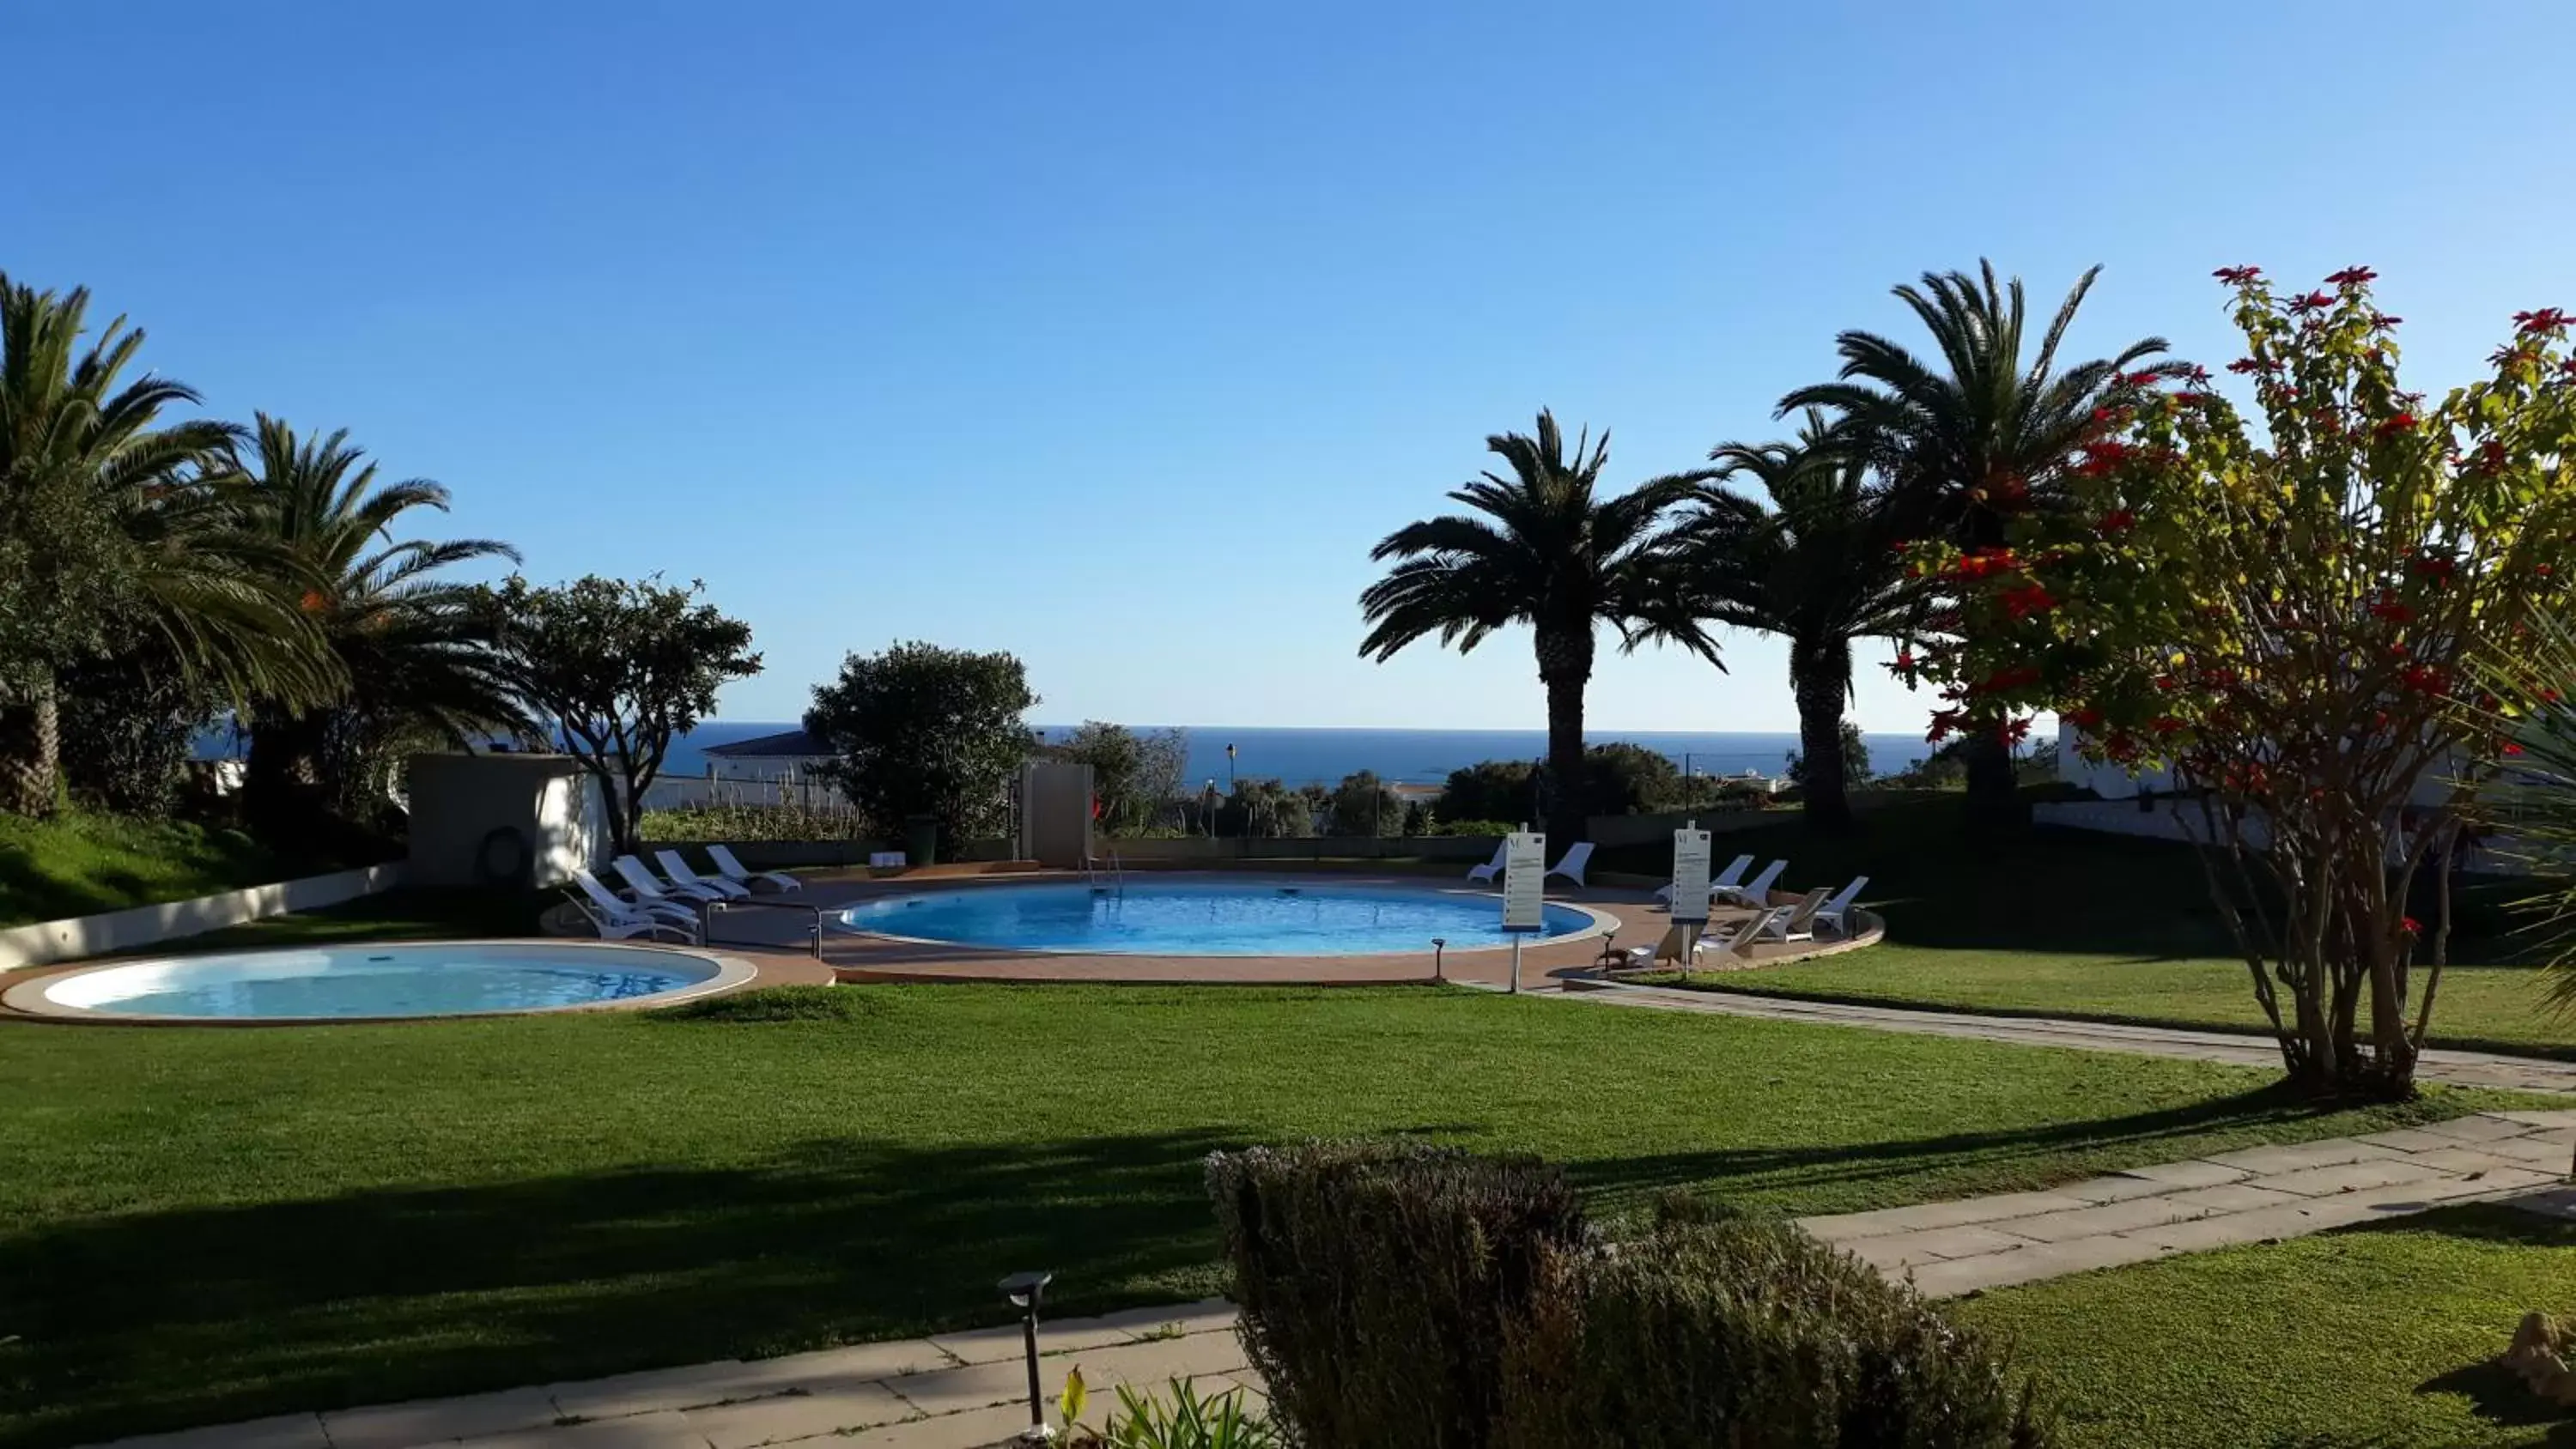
point(798, 791)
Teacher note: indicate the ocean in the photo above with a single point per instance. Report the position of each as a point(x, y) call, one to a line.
point(1422, 757)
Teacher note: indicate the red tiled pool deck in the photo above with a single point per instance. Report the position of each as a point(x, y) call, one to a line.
point(778, 941)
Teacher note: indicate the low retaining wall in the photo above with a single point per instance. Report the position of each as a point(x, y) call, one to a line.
point(1200, 848)
point(47, 942)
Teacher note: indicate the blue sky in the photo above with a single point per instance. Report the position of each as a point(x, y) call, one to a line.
point(1113, 335)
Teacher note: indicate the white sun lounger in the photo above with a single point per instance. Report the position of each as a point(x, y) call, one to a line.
point(731, 869)
point(1575, 860)
point(629, 922)
point(1755, 892)
point(678, 870)
point(1837, 912)
point(1729, 942)
point(1492, 868)
point(610, 903)
point(647, 887)
point(1725, 880)
point(1799, 924)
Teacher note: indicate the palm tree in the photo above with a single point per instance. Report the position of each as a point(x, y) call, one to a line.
point(1982, 432)
point(113, 528)
point(415, 650)
point(1815, 568)
point(1549, 552)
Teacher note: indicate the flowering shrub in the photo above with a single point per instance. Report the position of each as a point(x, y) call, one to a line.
point(2287, 620)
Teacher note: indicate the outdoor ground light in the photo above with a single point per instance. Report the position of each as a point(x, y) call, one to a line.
point(1439, 947)
point(1025, 1290)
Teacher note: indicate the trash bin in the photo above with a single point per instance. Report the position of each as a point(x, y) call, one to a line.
point(921, 840)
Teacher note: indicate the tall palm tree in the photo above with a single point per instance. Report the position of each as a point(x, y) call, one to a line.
point(1549, 552)
point(112, 526)
point(1982, 430)
point(1815, 567)
point(415, 649)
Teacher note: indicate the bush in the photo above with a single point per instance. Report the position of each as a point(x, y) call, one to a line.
point(1379, 1282)
point(1495, 828)
point(731, 823)
point(1753, 1335)
point(1187, 1421)
point(1402, 1294)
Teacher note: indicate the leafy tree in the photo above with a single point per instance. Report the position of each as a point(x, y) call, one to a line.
point(114, 527)
point(1265, 809)
point(921, 730)
point(1549, 552)
point(620, 667)
point(1852, 756)
point(1491, 790)
point(1135, 775)
point(129, 722)
point(1816, 567)
point(1363, 805)
point(2296, 627)
point(1980, 432)
point(1628, 779)
point(416, 651)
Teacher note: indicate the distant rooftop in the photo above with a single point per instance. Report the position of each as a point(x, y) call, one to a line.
point(792, 745)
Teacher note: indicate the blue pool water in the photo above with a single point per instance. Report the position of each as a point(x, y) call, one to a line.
point(356, 981)
point(1188, 918)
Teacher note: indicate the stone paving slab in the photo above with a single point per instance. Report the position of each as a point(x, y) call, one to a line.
point(667, 1429)
point(431, 1421)
point(785, 1418)
point(285, 1431)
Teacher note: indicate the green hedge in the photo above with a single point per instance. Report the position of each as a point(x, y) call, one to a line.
point(1399, 1294)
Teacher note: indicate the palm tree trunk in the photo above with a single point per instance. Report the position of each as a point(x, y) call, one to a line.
point(1565, 667)
point(31, 748)
point(1994, 792)
point(1820, 678)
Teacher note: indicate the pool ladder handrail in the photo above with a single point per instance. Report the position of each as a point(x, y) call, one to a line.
point(1117, 875)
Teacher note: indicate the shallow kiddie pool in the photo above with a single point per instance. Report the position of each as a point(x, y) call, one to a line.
point(358, 982)
point(1205, 918)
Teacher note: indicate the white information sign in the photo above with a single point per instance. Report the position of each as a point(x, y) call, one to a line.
point(1525, 881)
point(1690, 877)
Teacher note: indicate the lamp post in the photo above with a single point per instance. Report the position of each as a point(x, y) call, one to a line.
point(1229, 767)
point(1025, 1290)
point(1439, 948)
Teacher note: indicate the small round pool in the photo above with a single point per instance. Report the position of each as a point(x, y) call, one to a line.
point(348, 982)
point(1205, 918)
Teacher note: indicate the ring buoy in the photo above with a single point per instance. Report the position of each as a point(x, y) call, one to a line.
point(503, 857)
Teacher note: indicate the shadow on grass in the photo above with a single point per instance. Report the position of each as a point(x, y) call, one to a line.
point(158, 1320)
point(206, 1314)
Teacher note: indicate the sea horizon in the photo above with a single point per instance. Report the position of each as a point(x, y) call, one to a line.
point(1415, 755)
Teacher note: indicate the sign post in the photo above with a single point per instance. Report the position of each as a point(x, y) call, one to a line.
point(1524, 891)
point(1690, 888)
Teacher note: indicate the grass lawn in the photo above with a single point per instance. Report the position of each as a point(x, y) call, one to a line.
point(2381, 1336)
point(78, 864)
point(2075, 923)
point(199, 1225)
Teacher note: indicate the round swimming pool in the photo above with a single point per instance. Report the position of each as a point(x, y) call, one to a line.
point(1204, 918)
point(345, 982)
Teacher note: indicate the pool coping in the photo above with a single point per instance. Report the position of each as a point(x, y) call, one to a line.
point(25, 999)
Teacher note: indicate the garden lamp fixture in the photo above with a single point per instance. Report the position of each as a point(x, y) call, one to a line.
point(1025, 1290)
point(1439, 947)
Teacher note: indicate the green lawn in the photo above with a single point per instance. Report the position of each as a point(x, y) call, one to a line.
point(77, 865)
point(2383, 1336)
point(2076, 923)
point(201, 1224)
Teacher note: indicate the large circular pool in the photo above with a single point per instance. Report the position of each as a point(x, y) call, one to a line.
point(344, 982)
point(1204, 918)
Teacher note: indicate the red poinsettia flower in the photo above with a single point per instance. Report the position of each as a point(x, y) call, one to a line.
point(2394, 424)
point(2541, 569)
point(2165, 724)
point(2511, 748)
point(2392, 611)
point(2382, 319)
point(2118, 520)
point(2435, 566)
point(2410, 925)
point(2027, 600)
point(2351, 277)
point(2313, 302)
point(2085, 718)
point(2147, 378)
point(2245, 364)
point(2547, 319)
point(2237, 276)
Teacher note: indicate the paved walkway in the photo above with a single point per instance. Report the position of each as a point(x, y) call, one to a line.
point(2254, 1195)
point(2460, 1068)
point(948, 1391)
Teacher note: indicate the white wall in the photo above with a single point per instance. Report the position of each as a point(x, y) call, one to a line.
point(74, 937)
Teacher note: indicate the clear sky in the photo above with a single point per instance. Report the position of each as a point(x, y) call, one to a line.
point(1113, 334)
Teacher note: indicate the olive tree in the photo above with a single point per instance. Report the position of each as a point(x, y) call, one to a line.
point(924, 731)
point(620, 667)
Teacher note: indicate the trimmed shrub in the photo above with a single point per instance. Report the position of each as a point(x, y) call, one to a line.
point(1398, 1294)
point(1753, 1335)
point(1380, 1283)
